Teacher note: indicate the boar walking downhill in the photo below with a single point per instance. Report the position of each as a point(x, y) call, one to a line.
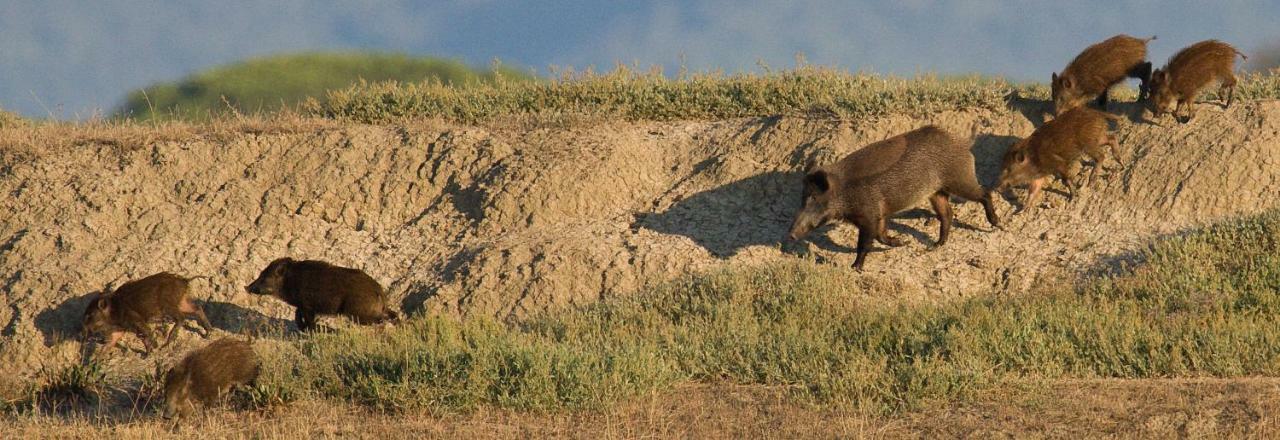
point(884, 178)
point(1099, 67)
point(1190, 71)
point(1055, 149)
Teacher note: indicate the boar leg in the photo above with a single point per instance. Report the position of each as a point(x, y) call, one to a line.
point(191, 310)
point(1093, 171)
point(148, 339)
point(882, 230)
point(173, 332)
point(1070, 182)
point(304, 318)
point(942, 206)
point(1229, 87)
point(1033, 193)
point(970, 190)
point(1113, 144)
point(1184, 106)
point(114, 340)
point(1102, 99)
point(1143, 73)
point(866, 235)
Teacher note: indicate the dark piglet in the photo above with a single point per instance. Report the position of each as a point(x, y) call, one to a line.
point(133, 306)
point(207, 374)
point(1189, 72)
point(319, 288)
point(884, 178)
point(1097, 68)
point(1055, 149)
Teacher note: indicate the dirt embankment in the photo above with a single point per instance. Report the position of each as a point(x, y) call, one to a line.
point(504, 222)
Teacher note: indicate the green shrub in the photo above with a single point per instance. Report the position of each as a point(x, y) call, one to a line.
point(270, 83)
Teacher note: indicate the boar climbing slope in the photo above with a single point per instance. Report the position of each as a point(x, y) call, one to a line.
point(510, 221)
point(887, 177)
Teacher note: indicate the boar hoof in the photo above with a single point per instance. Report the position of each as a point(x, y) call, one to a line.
point(892, 241)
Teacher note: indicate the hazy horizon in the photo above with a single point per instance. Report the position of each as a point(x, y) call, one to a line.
point(74, 58)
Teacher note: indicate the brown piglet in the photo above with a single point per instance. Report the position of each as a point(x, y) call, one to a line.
point(1097, 68)
point(1191, 70)
point(132, 307)
point(884, 178)
point(1055, 149)
point(318, 288)
point(207, 374)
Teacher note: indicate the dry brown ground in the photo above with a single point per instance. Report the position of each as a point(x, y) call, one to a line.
point(512, 219)
point(1183, 408)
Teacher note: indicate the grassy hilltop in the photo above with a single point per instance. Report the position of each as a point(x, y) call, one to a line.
point(269, 83)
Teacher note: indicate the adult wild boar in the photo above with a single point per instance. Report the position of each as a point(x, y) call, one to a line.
point(319, 288)
point(884, 178)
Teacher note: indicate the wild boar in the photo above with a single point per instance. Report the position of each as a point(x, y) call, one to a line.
point(1055, 149)
point(207, 374)
point(320, 288)
point(884, 178)
point(1099, 67)
point(134, 305)
point(1189, 72)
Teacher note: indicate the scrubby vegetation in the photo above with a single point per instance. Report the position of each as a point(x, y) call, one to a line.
point(270, 83)
point(1203, 304)
point(9, 119)
point(628, 94)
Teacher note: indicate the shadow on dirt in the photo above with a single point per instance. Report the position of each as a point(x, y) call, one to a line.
point(233, 318)
point(988, 152)
point(1036, 111)
point(753, 211)
point(62, 322)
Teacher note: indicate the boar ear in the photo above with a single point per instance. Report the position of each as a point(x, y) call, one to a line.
point(1054, 79)
point(1164, 75)
point(818, 180)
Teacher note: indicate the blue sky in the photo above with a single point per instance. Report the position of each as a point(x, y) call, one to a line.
point(72, 58)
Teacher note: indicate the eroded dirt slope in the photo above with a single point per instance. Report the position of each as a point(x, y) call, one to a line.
point(504, 222)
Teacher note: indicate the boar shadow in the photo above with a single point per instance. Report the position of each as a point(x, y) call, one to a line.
point(1038, 111)
point(417, 294)
point(757, 210)
point(1035, 110)
point(62, 322)
point(233, 318)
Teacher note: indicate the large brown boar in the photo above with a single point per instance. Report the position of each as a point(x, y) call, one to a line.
point(319, 288)
point(1055, 149)
point(134, 305)
point(1189, 72)
point(207, 374)
point(884, 178)
point(1097, 68)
